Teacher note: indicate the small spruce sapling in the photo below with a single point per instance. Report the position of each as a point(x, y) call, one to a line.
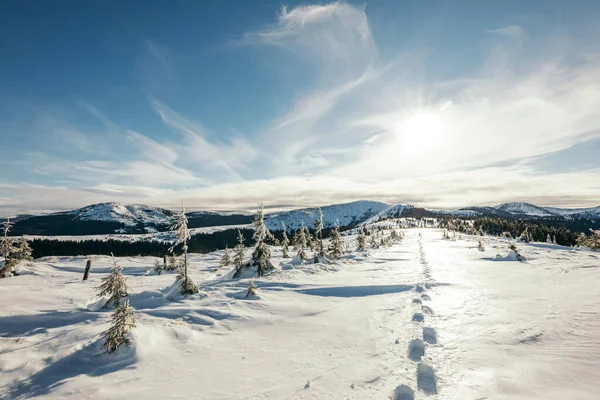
point(113, 285)
point(517, 254)
point(318, 224)
point(480, 245)
point(7, 247)
point(361, 240)
point(23, 250)
point(285, 244)
point(261, 256)
point(251, 289)
point(226, 258)
point(188, 286)
point(336, 244)
point(300, 240)
point(238, 258)
point(123, 320)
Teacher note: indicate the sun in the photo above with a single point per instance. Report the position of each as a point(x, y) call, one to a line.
point(420, 132)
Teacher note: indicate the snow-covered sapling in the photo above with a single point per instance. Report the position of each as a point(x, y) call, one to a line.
point(7, 247)
point(113, 285)
point(261, 256)
point(158, 266)
point(188, 286)
point(480, 245)
point(518, 255)
point(336, 244)
point(300, 241)
point(318, 224)
point(123, 320)
point(251, 289)
point(285, 243)
point(172, 264)
point(374, 242)
point(361, 240)
point(226, 258)
point(22, 250)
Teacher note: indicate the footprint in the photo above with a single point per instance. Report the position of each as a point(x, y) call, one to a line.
point(426, 379)
point(419, 288)
point(403, 392)
point(418, 317)
point(417, 300)
point(425, 297)
point(430, 335)
point(427, 310)
point(416, 350)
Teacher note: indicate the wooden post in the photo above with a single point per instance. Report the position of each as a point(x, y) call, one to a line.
point(88, 267)
point(164, 262)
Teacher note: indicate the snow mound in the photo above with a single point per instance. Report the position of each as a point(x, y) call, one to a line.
point(96, 303)
point(511, 256)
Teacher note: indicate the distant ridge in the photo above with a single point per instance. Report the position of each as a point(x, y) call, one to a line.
point(113, 217)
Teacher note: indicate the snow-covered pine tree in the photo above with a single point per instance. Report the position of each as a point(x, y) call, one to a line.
point(188, 286)
point(480, 245)
point(22, 250)
point(300, 241)
point(310, 242)
point(285, 244)
point(123, 320)
point(526, 236)
point(7, 247)
point(158, 266)
point(374, 241)
point(238, 258)
point(251, 289)
point(318, 224)
point(553, 239)
point(361, 240)
point(548, 239)
point(172, 265)
point(226, 258)
point(336, 244)
point(518, 255)
point(592, 240)
point(114, 284)
point(261, 256)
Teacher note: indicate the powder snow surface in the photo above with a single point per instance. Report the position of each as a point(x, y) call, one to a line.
point(424, 319)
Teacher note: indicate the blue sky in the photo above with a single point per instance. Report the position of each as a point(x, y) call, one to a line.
point(222, 103)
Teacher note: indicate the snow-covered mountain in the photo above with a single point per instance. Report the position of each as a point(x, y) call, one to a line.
point(520, 208)
point(524, 209)
point(344, 214)
point(592, 212)
point(129, 215)
point(107, 218)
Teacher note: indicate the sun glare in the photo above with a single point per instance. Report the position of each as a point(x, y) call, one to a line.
point(421, 132)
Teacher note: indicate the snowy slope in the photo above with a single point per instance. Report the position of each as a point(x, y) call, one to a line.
point(593, 212)
point(130, 215)
point(426, 319)
point(344, 214)
point(524, 209)
point(390, 212)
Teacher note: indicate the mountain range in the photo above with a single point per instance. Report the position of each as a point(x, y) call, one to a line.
point(107, 218)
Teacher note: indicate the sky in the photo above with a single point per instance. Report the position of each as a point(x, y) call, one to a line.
point(222, 104)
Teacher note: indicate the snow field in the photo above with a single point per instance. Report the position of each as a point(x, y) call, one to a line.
point(484, 329)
